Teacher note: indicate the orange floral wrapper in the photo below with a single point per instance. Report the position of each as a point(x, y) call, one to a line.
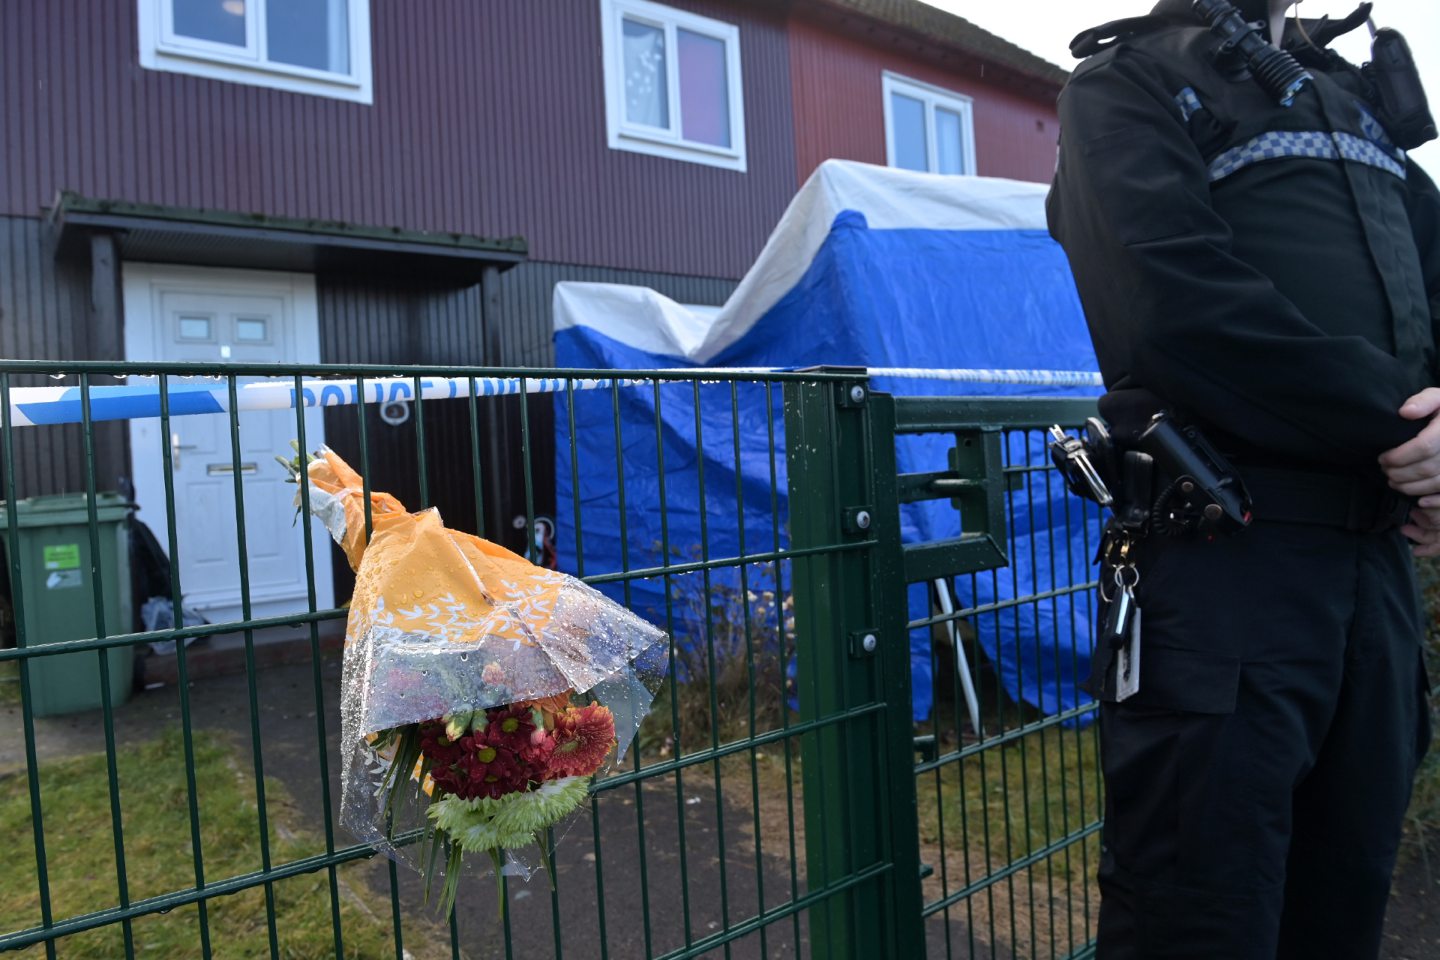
point(443, 623)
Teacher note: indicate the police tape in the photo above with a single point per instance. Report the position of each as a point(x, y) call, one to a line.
point(47, 406)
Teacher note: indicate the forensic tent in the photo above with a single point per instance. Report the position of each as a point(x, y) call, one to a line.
point(869, 267)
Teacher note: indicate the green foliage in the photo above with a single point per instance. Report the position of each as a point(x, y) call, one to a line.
point(80, 855)
point(1422, 833)
point(734, 634)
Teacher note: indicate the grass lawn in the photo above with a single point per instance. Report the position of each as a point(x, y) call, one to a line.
point(9, 683)
point(1422, 834)
point(81, 858)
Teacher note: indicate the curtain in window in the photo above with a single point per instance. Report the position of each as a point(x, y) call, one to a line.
point(646, 90)
point(704, 89)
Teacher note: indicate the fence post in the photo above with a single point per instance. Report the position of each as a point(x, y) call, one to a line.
point(853, 672)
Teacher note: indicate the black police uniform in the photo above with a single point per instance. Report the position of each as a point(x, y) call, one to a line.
point(1271, 273)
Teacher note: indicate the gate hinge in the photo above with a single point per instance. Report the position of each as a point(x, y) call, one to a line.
point(864, 644)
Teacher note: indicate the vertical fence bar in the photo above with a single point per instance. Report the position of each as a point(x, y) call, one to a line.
point(363, 430)
point(22, 640)
point(899, 807)
point(784, 656)
point(674, 708)
point(601, 920)
point(420, 458)
point(251, 680)
point(181, 667)
point(675, 732)
point(935, 731)
point(97, 592)
point(532, 552)
point(852, 639)
point(1010, 855)
point(322, 749)
point(956, 694)
point(476, 474)
point(706, 582)
point(750, 665)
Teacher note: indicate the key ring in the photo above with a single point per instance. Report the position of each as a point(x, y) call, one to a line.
point(1119, 578)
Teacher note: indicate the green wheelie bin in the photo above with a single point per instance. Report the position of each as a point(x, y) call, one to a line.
point(57, 589)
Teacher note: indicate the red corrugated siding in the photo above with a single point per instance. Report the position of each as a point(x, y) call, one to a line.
point(488, 119)
point(839, 111)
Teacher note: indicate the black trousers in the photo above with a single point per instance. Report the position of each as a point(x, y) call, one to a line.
point(1256, 785)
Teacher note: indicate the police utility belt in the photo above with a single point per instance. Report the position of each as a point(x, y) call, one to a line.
point(1172, 483)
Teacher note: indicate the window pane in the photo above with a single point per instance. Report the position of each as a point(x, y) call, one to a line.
point(219, 21)
point(907, 119)
point(309, 33)
point(251, 329)
point(195, 328)
point(949, 141)
point(704, 89)
point(647, 97)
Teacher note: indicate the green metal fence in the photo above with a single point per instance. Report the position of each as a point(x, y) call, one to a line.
point(779, 801)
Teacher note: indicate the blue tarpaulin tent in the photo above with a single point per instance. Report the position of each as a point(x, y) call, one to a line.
point(870, 267)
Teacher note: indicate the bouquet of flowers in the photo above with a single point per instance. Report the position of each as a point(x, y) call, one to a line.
point(480, 693)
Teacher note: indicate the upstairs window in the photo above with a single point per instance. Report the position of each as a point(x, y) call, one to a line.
point(319, 47)
point(927, 128)
point(672, 84)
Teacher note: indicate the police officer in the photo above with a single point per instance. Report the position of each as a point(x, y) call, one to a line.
point(1263, 262)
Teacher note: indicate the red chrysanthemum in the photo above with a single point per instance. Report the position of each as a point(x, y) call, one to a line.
point(513, 728)
point(435, 745)
point(492, 772)
point(509, 726)
point(583, 736)
point(471, 766)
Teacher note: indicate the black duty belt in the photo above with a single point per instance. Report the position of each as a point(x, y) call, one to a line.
point(1351, 503)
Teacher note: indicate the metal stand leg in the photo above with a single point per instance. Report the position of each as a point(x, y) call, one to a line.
point(962, 663)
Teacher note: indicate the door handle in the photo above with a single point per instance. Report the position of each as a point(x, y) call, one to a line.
point(175, 447)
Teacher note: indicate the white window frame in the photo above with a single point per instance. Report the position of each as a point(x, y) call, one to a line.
point(668, 142)
point(932, 97)
point(163, 49)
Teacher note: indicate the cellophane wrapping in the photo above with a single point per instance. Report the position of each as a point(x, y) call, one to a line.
point(443, 623)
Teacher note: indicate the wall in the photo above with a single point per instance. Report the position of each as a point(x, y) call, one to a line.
point(839, 108)
point(506, 97)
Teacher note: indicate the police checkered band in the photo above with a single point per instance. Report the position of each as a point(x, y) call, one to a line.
point(1307, 145)
point(1189, 103)
point(1364, 151)
point(1375, 132)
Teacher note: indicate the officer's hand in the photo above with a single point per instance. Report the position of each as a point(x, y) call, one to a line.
point(1413, 468)
point(1424, 530)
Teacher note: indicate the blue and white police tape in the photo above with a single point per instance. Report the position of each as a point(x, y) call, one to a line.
point(42, 406)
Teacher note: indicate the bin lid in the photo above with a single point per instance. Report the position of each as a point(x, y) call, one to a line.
point(65, 509)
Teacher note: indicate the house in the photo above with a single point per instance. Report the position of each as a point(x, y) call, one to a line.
point(387, 182)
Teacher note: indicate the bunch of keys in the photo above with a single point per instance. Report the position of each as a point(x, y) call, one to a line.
point(1121, 630)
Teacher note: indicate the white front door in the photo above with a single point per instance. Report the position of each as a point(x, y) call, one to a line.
point(217, 316)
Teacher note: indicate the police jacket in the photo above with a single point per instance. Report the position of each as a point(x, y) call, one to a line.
point(1271, 272)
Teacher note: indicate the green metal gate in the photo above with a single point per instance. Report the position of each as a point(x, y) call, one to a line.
point(854, 651)
point(198, 819)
